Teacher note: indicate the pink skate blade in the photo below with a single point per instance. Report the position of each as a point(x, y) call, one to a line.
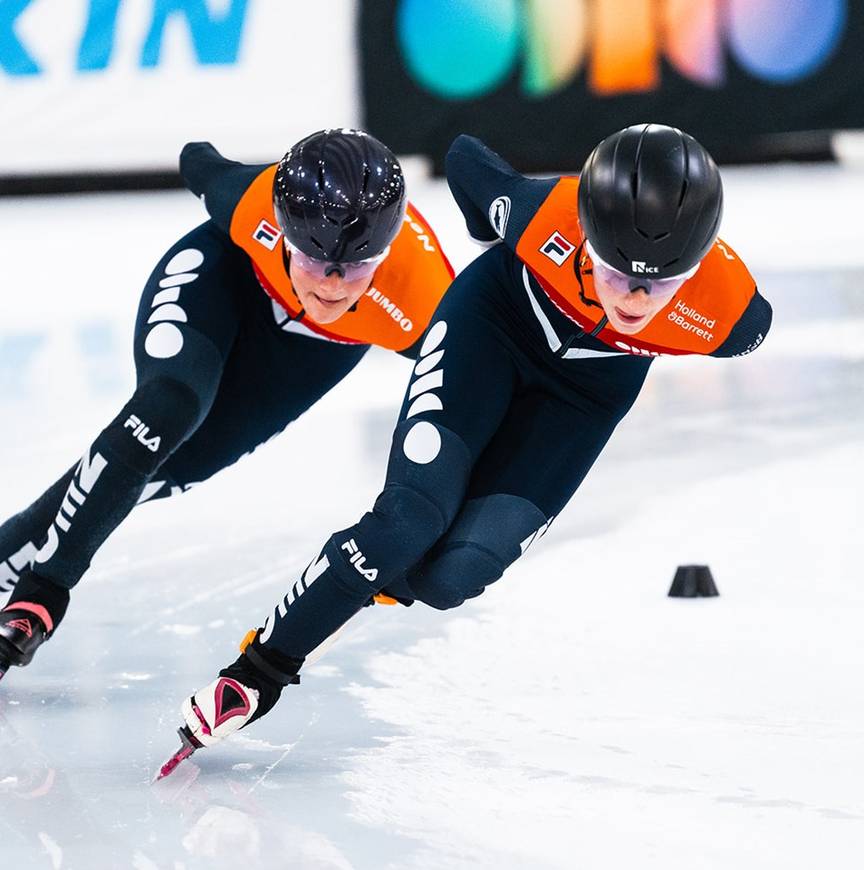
point(171, 765)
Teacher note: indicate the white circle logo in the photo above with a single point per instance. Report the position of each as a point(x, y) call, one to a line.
point(422, 443)
point(164, 341)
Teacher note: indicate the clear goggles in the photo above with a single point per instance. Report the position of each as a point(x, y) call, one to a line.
point(346, 271)
point(621, 283)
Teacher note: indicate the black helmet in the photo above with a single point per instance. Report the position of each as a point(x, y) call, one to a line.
point(339, 196)
point(650, 201)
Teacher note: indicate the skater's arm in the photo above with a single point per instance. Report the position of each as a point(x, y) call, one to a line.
point(219, 182)
point(750, 330)
point(496, 201)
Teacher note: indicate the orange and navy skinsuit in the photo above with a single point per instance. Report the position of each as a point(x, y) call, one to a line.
point(518, 386)
point(225, 359)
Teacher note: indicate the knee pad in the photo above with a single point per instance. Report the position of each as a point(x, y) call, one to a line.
point(457, 574)
point(433, 461)
point(400, 528)
point(489, 534)
point(161, 414)
point(415, 508)
point(199, 368)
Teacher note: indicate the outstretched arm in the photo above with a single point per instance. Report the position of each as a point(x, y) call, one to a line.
point(217, 181)
point(496, 201)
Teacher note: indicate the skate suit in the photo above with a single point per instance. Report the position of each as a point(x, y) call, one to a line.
point(519, 383)
point(225, 359)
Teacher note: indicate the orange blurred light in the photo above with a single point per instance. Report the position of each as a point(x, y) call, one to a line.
point(625, 52)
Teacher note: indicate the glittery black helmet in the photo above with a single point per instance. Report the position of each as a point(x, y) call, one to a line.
point(339, 196)
point(650, 201)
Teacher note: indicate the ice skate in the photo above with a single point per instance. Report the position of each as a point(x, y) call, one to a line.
point(24, 627)
point(32, 615)
point(242, 693)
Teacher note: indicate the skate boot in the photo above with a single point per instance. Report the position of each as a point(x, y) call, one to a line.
point(29, 619)
point(242, 693)
point(23, 629)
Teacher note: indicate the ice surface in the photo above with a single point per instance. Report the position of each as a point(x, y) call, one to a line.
point(573, 716)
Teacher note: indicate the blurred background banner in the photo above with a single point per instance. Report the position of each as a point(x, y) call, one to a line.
point(542, 81)
point(120, 85)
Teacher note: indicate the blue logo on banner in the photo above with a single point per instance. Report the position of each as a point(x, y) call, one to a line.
point(216, 37)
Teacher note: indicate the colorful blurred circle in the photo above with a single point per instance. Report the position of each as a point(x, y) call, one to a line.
point(459, 49)
point(785, 40)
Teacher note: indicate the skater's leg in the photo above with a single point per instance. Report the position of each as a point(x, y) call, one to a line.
point(466, 361)
point(22, 535)
point(530, 470)
point(462, 385)
point(184, 331)
point(105, 486)
point(270, 379)
point(178, 376)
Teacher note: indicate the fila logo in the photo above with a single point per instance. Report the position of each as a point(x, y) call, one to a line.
point(557, 248)
point(358, 560)
point(499, 215)
point(266, 234)
point(23, 625)
point(140, 432)
point(89, 470)
point(641, 268)
point(310, 575)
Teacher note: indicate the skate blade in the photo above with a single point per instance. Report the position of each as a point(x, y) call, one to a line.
point(190, 744)
point(173, 762)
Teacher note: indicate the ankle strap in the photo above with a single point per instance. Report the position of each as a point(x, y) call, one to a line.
point(283, 678)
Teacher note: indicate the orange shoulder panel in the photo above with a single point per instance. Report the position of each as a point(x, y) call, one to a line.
point(405, 290)
point(698, 319)
point(410, 282)
point(254, 229)
point(700, 316)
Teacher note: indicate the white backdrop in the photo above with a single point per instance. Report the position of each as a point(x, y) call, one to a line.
point(90, 85)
